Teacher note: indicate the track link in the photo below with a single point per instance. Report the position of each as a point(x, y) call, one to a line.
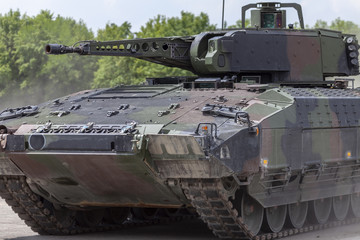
point(38, 217)
point(212, 203)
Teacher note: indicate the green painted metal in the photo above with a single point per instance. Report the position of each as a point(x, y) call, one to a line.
point(260, 111)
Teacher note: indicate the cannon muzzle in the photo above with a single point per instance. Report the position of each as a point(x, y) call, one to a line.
point(62, 49)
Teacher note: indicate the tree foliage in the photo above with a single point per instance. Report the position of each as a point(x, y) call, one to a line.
point(10, 25)
point(238, 24)
point(117, 70)
point(28, 75)
point(340, 25)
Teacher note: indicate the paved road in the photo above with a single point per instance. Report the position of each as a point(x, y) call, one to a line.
point(11, 227)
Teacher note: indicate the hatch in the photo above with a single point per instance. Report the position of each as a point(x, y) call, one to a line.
point(134, 92)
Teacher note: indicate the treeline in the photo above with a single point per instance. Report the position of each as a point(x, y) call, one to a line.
point(29, 76)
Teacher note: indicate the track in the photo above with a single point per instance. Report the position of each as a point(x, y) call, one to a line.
point(208, 196)
point(31, 209)
point(212, 203)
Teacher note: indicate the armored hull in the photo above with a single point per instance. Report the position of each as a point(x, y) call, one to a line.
point(260, 143)
point(186, 139)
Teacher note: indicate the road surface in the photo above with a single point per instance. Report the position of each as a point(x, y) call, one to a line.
point(11, 227)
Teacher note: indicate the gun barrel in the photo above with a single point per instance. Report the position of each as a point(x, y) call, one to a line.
point(169, 51)
point(61, 49)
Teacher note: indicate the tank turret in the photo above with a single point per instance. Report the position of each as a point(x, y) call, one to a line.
point(272, 52)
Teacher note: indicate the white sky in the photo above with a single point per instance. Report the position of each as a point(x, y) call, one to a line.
point(97, 13)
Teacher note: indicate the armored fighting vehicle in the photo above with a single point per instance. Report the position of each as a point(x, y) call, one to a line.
point(262, 143)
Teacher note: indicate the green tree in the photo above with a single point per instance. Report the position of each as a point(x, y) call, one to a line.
point(114, 70)
point(120, 70)
point(188, 24)
point(238, 24)
point(68, 73)
point(10, 25)
point(115, 32)
point(25, 69)
point(321, 24)
point(345, 26)
point(340, 25)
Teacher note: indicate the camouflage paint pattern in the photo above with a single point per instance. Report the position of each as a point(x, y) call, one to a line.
point(132, 145)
